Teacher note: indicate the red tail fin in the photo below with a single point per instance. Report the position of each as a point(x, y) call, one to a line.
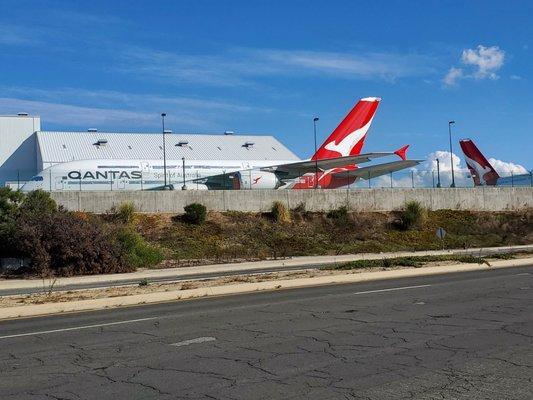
point(402, 152)
point(348, 138)
point(482, 172)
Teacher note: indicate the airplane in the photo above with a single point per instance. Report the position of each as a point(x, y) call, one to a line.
point(335, 164)
point(484, 174)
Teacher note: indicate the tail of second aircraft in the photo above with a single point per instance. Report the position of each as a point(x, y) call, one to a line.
point(349, 137)
point(482, 172)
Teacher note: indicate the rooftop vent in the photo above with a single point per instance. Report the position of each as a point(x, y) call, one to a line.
point(101, 142)
point(182, 143)
point(92, 130)
point(167, 131)
point(229, 132)
point(22, 114)
point(248, 144)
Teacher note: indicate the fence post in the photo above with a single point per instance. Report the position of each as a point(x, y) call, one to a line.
point(391, 180)
point(412, 179)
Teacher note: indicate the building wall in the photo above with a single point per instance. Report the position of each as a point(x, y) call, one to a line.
point(18, 147)
point(475, 199)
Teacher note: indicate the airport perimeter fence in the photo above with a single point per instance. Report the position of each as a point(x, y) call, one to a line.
point(76, 181)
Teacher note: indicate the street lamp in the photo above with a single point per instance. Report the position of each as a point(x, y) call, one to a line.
point(315, 120)
point(163, 115)
point(451, 151)
point(184, 187)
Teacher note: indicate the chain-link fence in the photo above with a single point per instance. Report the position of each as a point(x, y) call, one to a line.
point(123, 179)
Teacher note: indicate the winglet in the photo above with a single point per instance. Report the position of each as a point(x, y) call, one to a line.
point(402, 152)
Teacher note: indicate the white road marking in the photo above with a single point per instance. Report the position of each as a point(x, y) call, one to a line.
point(522, 274)
point(77, 328)
point(194, 341)
point(392, 289)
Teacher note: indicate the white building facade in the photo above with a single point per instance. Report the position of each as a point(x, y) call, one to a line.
point(25, 150)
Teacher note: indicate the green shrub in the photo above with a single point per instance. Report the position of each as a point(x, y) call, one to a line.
point(195, 213)
point(137, 252)
point(37, 204)
point(413, 216)
point(340, 213)
point(125, 213)
point(280, 213)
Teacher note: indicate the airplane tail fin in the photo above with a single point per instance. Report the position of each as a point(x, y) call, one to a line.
point(482, 172)
point(402, 152)
point(349, 137)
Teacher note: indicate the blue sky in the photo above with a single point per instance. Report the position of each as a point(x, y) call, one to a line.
point(269, 66)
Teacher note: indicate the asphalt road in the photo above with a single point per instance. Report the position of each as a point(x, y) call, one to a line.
point(457, 336)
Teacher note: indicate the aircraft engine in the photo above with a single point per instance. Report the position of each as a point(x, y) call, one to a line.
point(255, 179)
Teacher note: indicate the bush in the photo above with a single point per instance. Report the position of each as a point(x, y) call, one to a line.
point(137, 252)
point(300, 208)
point(37, 204)
point(340, 213)
point(280, 213)
point(195, 213)
point(125, 212)
point(63, 244)
point(413, 216)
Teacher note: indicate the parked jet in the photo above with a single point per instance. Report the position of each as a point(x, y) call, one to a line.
point(334, 164)
point(484, 174)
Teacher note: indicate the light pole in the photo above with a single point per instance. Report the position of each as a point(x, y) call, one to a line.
point(451, 151)
point(315, 120)
point(184, 187)
point(163, 115)
point(438, 173)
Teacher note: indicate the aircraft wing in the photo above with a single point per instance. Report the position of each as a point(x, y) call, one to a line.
point(295, 169)
point(374, 171)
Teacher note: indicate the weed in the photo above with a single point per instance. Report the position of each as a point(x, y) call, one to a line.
point(125, 213)
point(280, 213)
point(340, 213)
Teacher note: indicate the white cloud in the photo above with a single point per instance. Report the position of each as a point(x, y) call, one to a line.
point(516, 77)
point(504, 168)
point(118, 110)
point(479, 63)
point(488, 60)
point(425, 174)
point(239, 66)
point(453, 75)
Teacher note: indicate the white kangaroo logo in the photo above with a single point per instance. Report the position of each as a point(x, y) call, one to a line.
point(346, 145)
point(480, 170)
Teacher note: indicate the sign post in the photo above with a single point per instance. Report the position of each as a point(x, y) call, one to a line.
point(440, 234)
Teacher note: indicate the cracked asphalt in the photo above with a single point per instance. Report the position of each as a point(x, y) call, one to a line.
point(456, 336)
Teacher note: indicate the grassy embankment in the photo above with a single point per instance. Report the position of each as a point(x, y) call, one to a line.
point(234, 236)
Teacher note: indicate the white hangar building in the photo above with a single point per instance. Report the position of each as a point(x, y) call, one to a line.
point(25, 150)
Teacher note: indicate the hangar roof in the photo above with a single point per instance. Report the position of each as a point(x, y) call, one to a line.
point(57, 147)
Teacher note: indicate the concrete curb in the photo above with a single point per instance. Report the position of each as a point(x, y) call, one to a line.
point(96, 304)
point(245, 266)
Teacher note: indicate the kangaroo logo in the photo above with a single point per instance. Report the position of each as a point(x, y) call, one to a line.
point(349, 141)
